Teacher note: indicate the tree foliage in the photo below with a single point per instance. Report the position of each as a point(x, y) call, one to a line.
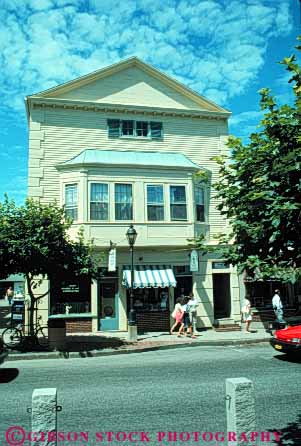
point(260, 190)
point(34, 241)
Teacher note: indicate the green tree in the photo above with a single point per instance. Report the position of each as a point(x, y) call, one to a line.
point(260, 190)
point(34, 241)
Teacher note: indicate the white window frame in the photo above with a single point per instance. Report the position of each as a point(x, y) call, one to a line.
point(199, 186)
point(134, 135)
point(164, 202)
point(108, 202)
point(133, 195)
point(72, 207)
point(170, 185)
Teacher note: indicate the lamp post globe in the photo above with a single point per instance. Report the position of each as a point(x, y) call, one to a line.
point(131, 236)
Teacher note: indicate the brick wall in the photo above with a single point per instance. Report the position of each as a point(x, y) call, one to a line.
point(79, 325)
point(157, 321)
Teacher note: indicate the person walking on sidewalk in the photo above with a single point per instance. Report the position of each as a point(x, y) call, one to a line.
point(192, 308)
point(177, 314)
point(278, 307)
point(246, 315)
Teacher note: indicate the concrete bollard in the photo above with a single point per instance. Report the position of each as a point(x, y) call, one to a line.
point(240, 408)
point(44, 416)
point(132, 333)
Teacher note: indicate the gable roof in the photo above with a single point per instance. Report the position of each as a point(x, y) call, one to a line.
point(51, 93)
point(130, 158)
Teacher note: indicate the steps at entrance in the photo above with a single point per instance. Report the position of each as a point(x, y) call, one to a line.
point(228, 327)
point(4, 316)
point(224, 325)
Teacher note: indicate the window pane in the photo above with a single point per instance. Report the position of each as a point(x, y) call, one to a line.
point(178, 212)
point(156, 129)
point(113, 128)
point(154, 194)
point(178, 209)
point(71, 201)
point(127, 128)
point(99, 192)
point(141, 128)
point(123, 202)
point(177, 194)
point(200, 212)
point(199, 195)
point(155, 213)
point(99, 211)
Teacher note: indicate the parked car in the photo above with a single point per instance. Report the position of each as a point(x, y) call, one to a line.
point(287, 340)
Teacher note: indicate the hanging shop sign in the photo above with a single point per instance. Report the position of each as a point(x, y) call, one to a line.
point(194, 260)
point(112, 260)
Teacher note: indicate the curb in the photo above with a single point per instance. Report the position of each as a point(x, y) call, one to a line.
point(135, 349)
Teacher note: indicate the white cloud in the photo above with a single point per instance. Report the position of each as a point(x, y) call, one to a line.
point(217, 48)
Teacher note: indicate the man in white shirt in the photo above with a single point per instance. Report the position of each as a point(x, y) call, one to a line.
point(278, 307)
point(192, 305)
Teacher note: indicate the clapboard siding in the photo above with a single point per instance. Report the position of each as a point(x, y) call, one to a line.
point(133, 86)
point(65, 133)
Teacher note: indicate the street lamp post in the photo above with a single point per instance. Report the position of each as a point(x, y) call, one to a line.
point(131, 236)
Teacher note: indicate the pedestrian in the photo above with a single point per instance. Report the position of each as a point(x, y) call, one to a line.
point(9, 294)
point(278, 307)
point(246, 315)
point(177, 314)
point(192, 307)
point(187, 326)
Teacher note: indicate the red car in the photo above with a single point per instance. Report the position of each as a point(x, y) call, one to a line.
point(287, 340)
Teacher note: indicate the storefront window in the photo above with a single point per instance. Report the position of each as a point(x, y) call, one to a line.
point(70, 296)
point(151, 299)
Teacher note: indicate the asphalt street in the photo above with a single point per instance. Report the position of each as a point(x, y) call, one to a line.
point(171, 390)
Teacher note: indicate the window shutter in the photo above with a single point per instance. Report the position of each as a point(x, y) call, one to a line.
point(114, 128)
point(156, 129)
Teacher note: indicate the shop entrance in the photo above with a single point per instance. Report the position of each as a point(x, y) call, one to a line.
point(221, 295)
point(108, 304)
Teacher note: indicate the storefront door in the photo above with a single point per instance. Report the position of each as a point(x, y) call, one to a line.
point(221, 295)
point(108, 304)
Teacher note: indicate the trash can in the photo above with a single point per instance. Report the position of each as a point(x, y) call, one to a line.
point(57, 334)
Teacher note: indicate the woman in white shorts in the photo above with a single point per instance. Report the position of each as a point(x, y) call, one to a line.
point(247, 315)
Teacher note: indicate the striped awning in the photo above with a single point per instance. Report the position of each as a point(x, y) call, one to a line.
point(149, 276)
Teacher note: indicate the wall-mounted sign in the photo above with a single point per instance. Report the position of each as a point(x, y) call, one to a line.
point(194, 260)
point(70, 288)
point(220, 265)
point(112, 260)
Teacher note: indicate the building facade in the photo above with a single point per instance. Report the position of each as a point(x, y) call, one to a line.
point(122, 146)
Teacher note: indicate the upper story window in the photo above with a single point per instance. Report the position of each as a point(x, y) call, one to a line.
point(99, 201)
point(178, 206)
point(155, 202)
point(71, 201)
point(129, 128)
point(123, 202)
point(199, 197)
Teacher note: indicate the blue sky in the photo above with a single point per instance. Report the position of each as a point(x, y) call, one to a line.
point(224, 49)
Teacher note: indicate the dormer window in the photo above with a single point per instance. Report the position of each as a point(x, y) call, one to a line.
point(118, 128)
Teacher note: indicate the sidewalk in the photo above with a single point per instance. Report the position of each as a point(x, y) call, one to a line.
point(112, 343)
